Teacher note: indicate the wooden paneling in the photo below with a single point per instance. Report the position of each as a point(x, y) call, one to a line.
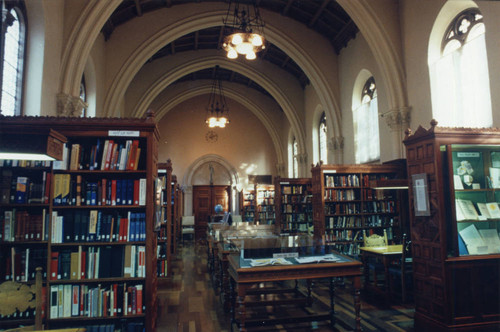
point(204, 200)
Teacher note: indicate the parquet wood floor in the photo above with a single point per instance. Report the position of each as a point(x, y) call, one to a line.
point(187, 302)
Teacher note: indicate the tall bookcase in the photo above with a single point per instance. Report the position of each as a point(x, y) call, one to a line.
point(248, 207)
point(293, 198)
point(100, 242)
point(165, 234)
point(454, 195)
point(265, 204)
point(345, 205)
point(24, 221)
point(174, 216)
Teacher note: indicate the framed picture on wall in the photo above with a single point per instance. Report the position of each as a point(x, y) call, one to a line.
point(420, 195)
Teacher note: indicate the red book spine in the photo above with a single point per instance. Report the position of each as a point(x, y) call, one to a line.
point(54, 262)
point(104, 193)
point(46, 194)
point(109, 153)
point(83, 264)
point(132, 155)
point(136, 192)
point(139, 299)
point(113, 192)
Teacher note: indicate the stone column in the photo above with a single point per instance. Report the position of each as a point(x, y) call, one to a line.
point(336, 150)
point(398, 120)
point(70, 106)
point(281, 170)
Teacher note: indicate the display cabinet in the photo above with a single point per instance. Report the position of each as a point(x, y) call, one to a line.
point(454, 199)
point(345, 205)
point(264, 195)
point(293, 205)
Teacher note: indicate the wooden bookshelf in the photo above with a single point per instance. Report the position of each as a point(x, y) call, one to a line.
point(249, 209)
point(265, 204)
point(345, 205)
point(293, 198)
point(164, 230)
point(87, 256)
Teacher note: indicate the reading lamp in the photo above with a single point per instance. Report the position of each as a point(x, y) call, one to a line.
point(42, 144)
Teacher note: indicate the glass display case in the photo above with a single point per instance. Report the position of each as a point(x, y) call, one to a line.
point(475, 186)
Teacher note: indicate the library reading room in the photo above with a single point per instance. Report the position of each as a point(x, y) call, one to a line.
point(250, 165)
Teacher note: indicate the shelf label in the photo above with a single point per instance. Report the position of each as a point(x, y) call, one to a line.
point(468, 154)
point(124, 133)
point(284, 182)
point(330, 171)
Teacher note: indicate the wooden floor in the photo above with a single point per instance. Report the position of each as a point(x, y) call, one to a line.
point(187, 302)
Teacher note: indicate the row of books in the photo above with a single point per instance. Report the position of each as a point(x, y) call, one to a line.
point(162, 268)
point(106, 154)
point(291, 208)
point(125, 326)
point(98, 262)
point(380, 207)
point(265, 201)
point(96, 301)
point(372, 194)
point(342, 208)
point(33, 189)
point(293, 189)
point(351, 180)
point(21, 225)
point(378, 221)
point(265, 194)
point(295, 199)
point(97, 226)
point(372, 177)
point(343, 235)
point(351, 249)
point(296, 227)
point(341, 195)
point(78, 191)
point(298, 217)
point(19, 264)
point(343, 222)
point(25, 163)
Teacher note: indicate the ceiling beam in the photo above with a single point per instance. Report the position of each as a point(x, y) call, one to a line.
point(172, 47)
point(318, 12)
point(287, 7)
point(138, 7)
point(221, 36)
point(231, 77)
point(285, 61)
point(196, 39)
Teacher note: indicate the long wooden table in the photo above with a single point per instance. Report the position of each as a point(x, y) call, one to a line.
point(243, 277)
point(385, 254)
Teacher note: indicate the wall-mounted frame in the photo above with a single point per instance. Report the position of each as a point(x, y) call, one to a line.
point(420, 195)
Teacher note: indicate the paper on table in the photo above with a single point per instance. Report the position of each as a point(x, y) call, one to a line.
point(318, 259)
point(269, 261)
point(491, 239)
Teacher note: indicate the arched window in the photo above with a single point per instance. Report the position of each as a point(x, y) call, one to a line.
point(459, 78)
point(12, 55)
point(322, 139)
point(365, 119)
point(295, 152)
point(83, 96)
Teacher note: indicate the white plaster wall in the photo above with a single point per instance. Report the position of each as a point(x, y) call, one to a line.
point(355, 57)
point(244, 143)
point(417, 19)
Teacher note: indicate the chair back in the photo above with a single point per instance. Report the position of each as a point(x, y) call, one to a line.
point(375, 240)
point(187, 221)
point(406, 258)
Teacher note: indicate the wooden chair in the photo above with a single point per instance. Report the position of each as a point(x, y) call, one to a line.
point(376, 268)
point(401, 273)
point(187, 227)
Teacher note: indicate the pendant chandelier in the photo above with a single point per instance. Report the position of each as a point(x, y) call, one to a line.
point(243, 30)
point(217, 110)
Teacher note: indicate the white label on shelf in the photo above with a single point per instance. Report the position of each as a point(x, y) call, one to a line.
point(162, 171)
point(468, 154)
point(124, 133)
point(284, 182)
point(330, 171)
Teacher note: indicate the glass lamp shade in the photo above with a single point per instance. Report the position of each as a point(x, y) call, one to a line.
point(248, 44)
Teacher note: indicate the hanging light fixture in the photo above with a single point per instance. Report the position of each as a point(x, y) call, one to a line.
point(243, 30)
point(217, 110)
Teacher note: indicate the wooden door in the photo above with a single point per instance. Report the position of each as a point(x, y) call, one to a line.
point(204, 200)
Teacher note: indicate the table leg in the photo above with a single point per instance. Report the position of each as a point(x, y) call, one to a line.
point(386, 281)
point(357, 302)
point(309, 291)
point(332, 303)
point(233, 303)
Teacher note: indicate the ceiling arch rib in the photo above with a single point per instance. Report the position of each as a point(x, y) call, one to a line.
point(238, 96)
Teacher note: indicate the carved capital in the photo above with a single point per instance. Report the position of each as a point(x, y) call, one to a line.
point(187, 189)
point(397, 118)
point(336, 143)
point(70, 106)
point(301, 158)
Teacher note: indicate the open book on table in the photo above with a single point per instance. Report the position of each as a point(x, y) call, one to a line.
point(318, 259)
point(269, 261)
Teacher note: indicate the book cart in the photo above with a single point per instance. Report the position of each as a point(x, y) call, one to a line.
point(97, 245)
point(345, 206)
point(454, 195)
point(293, 205)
